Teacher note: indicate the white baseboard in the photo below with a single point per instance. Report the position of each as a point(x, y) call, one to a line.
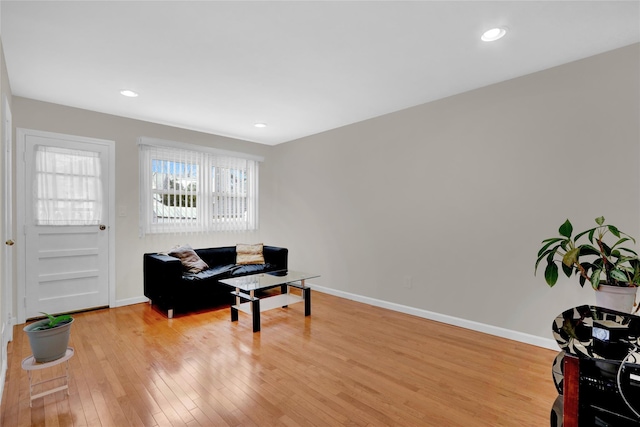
point(443, 318)
point(13, 321)
point(3, 350)
point(130, 301)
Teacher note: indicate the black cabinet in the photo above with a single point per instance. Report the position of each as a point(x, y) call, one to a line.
point(597, 373)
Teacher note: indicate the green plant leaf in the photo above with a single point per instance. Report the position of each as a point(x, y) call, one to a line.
point(628, 250)
point(595, 279)
point(598, 263)
point(635, 273)
point(627, 269)
point(567, 270)
point(571, 257)
point(588, 250)
point(548, 254)
point(621, 241)
point(549, 242)
point(551, 274)
point(589, 232)
point(618, 275)
point(51, 319)
point(600, 220)
point(590, 266)
point(60, 319)
point(554, 239)
point(614, 230)
point(630, 238)
point(566, 229)
point(54, 320)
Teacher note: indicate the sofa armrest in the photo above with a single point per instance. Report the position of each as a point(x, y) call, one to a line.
point(162, 276)
point(276, 256)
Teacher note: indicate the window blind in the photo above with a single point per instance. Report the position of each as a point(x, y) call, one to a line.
point(186, 189)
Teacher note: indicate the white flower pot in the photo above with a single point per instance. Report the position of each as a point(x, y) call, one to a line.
point(616, 297)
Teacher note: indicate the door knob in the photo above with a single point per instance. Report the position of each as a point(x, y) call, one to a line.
point(9, 242)
point(103, 227)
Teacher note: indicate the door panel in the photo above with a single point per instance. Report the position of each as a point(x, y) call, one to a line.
point(67, 266)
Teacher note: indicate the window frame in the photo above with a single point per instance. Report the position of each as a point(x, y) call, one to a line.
point(206, 160)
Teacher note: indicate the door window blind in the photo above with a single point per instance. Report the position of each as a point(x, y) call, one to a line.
point(68, 187)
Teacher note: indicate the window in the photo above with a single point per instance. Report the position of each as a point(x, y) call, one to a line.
point(187, 188)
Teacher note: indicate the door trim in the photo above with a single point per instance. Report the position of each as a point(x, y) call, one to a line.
point(21, 135)
point(8, 233)
point(6, 289)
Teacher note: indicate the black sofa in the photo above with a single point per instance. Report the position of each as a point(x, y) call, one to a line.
point(168, 285)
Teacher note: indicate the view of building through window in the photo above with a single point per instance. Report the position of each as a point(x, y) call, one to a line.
point(174, 185)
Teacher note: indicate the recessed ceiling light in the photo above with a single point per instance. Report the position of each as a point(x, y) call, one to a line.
point(260, 125)
point(129, 93)
point(493, 34)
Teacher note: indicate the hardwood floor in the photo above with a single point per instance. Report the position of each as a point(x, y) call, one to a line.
point(349, 364)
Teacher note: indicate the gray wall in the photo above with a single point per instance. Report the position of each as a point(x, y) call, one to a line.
point(453, 198)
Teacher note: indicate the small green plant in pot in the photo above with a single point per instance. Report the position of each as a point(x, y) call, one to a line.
point(49, 338)
point(597, 255)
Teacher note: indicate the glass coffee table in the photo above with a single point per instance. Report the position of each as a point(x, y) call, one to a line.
point(246, 286)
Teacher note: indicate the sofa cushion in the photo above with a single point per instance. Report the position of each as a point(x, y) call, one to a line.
point(219, 256)
point(249, 254)
point(191, 262)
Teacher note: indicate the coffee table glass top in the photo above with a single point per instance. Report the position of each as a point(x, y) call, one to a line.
point(267, 280)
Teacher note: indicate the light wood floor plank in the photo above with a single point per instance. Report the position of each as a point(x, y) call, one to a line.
point(349, 364)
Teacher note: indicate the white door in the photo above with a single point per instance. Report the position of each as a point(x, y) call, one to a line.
point(66, 222)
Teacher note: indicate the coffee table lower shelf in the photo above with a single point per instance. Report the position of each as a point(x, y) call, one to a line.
point(269, 303)
point(254, 306)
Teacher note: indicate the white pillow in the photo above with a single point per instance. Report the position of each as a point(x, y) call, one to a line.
point(190, 260)
point(249, 254)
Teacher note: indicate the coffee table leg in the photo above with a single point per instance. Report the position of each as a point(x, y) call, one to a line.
point(285, 289)
point(255, 311)
point(234, 311)
point(307, 301)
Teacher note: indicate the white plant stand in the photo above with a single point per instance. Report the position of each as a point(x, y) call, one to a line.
point(29, 364)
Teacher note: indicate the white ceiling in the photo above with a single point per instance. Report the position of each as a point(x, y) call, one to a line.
point(302, 67)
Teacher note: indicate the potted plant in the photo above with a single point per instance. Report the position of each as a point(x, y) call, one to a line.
point(49, 337)
point(608, 267)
